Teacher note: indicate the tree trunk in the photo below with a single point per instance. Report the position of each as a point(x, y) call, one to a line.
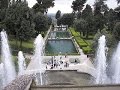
point(21, 44)
point(83, 34)
point(16, 42)
point(80, 33)
point(87, 35)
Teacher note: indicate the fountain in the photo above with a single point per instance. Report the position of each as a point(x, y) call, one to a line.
point(1, 75)
point(101, 62)
point(21, 63)
point(36, 65)
point(115, 63)
point(39, 43)
point(9, 69)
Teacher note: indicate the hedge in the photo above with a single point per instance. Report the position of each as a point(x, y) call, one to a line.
point(74, 33)
point(86, 50)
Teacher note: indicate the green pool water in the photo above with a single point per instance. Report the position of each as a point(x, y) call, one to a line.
point(59, 34)
point(57, 46)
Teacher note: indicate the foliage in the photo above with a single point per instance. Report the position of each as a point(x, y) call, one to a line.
point(100, 6)
point(49, 20)
point(4, 4)
point(87, 50)
point(116, 31)
point(59, 21)
point(87, 12)
point(19, 21)
point(78, 5)
point(110, 19)
point(81, 25)
point(110, 40)
point(86, 47)
point(99, 22)
point(43, 5)
point(78, 15)
point(87, 15)
point(117, 11)
point(41, 23)
point(58, 14)
point(66, 19)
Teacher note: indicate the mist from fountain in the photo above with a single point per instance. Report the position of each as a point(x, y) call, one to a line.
point(1, 75)
point(101, 62)
point(38, 56)
point(9, 68)
point(115, 63)
point(21, 63)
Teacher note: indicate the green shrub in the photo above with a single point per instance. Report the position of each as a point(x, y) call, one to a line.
point(82, 44)
point(74, 33)
point(87, 50)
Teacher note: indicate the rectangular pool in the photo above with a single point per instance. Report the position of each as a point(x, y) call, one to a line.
point(59, 34)
point(60, 46)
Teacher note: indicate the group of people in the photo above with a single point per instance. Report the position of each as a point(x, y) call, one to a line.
point(54, 63)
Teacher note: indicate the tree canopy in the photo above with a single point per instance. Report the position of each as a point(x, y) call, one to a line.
point(43, 5)
point(78, 5)
point(66, 19)
point(58, 14)
point(117, 31)
point(41, 23)
point(19, 21)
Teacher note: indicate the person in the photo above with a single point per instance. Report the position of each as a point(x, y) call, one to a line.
point(65, 54)
point(46, 66)
point(75, 61)
point(60, 57)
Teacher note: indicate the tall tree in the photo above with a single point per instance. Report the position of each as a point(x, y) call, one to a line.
point(19, 21)
point(99, 9)
point(87, 12)
point(87, 15)
point(67, 19)
point(78, 5)
point(4, 3)
point(111, 18)
point(79, 15)
point(100, 6)
point(81, 26)
point(116, 31)
point(58, 14)
point(43, 5)
point(41, 23)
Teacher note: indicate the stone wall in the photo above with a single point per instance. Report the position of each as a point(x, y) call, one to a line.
point(104, 87)
point(20, 83)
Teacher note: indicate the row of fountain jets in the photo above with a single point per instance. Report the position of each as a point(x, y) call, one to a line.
point(101, 77)
point(7, 67)
point(107, 72)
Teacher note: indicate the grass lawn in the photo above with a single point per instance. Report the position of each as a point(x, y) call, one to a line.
point(27, 46)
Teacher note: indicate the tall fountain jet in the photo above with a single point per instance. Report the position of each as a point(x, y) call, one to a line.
point(101, 62)
point(9, 69)
point(36, 65)
point(21, 63)
point(1, 75)
point(38, 56)
point(116, 66)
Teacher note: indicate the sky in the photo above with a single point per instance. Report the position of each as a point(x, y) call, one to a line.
point(65, 5)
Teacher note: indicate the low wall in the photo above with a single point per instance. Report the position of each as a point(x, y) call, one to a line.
point(70, 87)
point(22, 82)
